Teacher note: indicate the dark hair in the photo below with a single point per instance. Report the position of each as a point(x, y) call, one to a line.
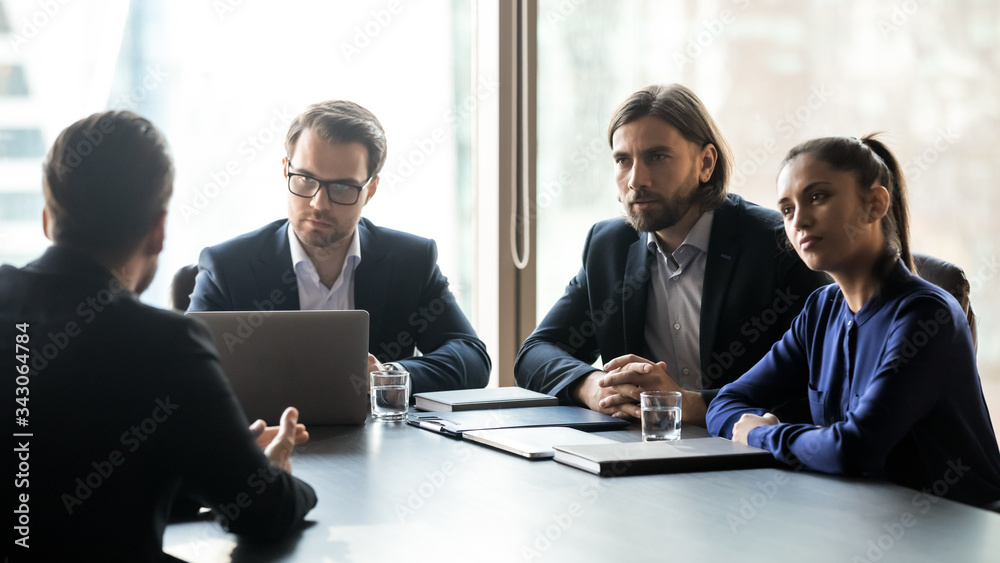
point(682, 109)
point(340, 121)
point(106, 180)
point(872, 162)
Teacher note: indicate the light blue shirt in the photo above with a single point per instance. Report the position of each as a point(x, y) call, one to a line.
point(313, 295)
point(673, 308)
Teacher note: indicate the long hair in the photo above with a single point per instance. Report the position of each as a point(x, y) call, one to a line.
point(872, 163)
point(682, 109)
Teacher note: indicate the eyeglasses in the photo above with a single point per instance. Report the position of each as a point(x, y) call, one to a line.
point(336, 191)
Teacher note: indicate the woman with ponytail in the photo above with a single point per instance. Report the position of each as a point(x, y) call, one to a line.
point(885, 359)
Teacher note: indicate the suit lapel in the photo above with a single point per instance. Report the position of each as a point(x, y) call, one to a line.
point(637, 274)
point(371, 279)
point(722, 253)
point(273, 270)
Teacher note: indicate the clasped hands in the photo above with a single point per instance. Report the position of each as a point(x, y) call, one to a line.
point(615, 391)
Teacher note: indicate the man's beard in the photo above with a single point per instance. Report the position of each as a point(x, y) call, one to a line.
point(319, 240)
point(667, 214)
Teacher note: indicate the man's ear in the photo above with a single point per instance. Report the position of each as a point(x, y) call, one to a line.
point(706, 162)
point(284, 166)
point(156, 236)
point(45, 222)
point(372, 188)
point(879, 201)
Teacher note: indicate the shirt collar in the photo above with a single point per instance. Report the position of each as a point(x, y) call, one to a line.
point(298, 253)
point(891, 286)
point(697, 237)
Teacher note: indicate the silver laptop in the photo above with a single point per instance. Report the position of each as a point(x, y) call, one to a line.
point(316, 361)
point(534, 442)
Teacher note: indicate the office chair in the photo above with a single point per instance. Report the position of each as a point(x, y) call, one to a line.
point(181, 287)
point(950, 278)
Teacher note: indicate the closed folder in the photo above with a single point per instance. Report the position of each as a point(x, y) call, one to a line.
point(641, 458)
point(481, 399)
point(455, 423)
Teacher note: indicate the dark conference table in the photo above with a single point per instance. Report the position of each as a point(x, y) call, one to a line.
point(389, 491)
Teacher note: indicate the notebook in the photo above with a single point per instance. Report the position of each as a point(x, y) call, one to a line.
point(478, 399)
point(534, 442)
point(455, 423)
point(316, 361)
point(685, 455)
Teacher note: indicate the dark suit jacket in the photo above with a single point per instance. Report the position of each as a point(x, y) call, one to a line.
point(398, 282)
point(125, 401)
point(753, 289)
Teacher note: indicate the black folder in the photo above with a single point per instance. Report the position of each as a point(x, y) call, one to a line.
point(679, 456)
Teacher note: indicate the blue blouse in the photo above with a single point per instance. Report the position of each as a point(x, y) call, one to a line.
point(893, 391)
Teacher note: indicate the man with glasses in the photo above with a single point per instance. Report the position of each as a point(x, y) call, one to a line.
point(325, 256)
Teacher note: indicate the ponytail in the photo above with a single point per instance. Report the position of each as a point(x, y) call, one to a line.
point(896, 223)
point(872, 162)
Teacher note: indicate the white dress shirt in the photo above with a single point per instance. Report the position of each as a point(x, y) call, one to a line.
point(313, 295)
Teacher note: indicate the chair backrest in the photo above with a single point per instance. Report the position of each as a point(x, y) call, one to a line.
point(950, 278)
point(181, 287)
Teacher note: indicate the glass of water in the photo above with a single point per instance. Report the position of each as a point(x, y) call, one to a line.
point(661, 415)
point(390, 394)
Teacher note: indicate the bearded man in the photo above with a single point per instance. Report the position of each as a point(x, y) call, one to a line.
point(686, 292)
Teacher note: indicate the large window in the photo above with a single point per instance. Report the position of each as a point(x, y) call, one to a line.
point(774, 74)
point(223, 80)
